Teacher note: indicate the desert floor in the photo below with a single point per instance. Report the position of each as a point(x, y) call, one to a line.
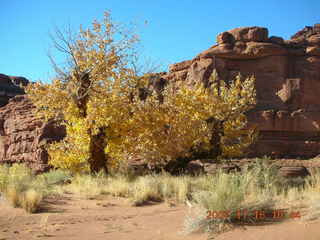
point(107, 218)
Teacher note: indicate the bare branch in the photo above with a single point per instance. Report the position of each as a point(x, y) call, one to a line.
point(61, 73)
point(65, 43)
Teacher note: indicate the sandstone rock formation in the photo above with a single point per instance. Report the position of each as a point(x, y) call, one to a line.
point(23, 136)
point(287, 81)
point(9, 87)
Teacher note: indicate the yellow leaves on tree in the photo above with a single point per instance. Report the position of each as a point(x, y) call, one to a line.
point(72, 152)
point(196, 118)
point(90, 97)
point(97, 98)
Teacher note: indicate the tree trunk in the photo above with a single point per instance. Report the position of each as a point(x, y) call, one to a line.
point(215, 141)
point(98, 158)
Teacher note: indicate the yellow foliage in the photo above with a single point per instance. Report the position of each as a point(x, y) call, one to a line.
point(85, 105)
point(170, 130)
point(97, 97)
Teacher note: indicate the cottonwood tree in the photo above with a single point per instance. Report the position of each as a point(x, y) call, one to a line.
point(90, 95)
point(110, 114)
point(200, 118)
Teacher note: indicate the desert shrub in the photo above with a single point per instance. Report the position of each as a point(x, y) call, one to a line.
point(225, 193)
point(144, 189)
point(176, 188)
point(118, 186)
point(309, 196)
point(138, 190)
point(258, 188)
point(86, 185)
point(57, 176)
point(254, 189)
point(21, 188)
point(264, 175)
point(31, 200)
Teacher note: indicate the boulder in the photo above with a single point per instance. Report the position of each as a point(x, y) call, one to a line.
point(250, 34)
point(294, 171)
point(276, 40)
point(195, 167)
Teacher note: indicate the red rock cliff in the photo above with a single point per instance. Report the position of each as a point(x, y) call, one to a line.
point(9, 87)
point(287, 81)
point(22, 135)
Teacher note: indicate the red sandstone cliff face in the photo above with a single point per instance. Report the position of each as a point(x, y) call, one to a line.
point(9, 87)
point(23, 136)
point(287, 81)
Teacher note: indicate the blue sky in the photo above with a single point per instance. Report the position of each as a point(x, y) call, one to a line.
point(176, 30)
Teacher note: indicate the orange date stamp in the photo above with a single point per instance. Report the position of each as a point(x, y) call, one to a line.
point(243, 214)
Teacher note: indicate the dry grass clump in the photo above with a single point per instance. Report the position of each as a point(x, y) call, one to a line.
point(161, 187)
point(118, 186)
point(56, 176)
point(21, 188)
point(146, 189)
point(228, 193)
point(309, 197)
point(31, 200)
point(86, 186)
point(138, 190)
point(257, 188)
point(12, 195)
point(91, 186)
point(254, 189)
point(177, 188)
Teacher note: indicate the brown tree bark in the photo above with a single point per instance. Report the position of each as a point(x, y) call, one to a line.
point(98, 158)
point(215, 141)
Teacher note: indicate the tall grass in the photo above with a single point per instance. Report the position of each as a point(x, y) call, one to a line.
point(86, 186)
point(21, 188)
point(258, 187)
point(229, 194)
point(139, 190)
point(309, 197)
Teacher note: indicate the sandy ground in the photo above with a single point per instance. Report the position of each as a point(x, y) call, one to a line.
point(109, 218)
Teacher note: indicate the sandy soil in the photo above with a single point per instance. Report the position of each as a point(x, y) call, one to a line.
point(70, 218)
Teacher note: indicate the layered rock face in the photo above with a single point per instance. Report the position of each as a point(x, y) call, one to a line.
point(9, 87)
point(23, 136)
point(287, 76)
